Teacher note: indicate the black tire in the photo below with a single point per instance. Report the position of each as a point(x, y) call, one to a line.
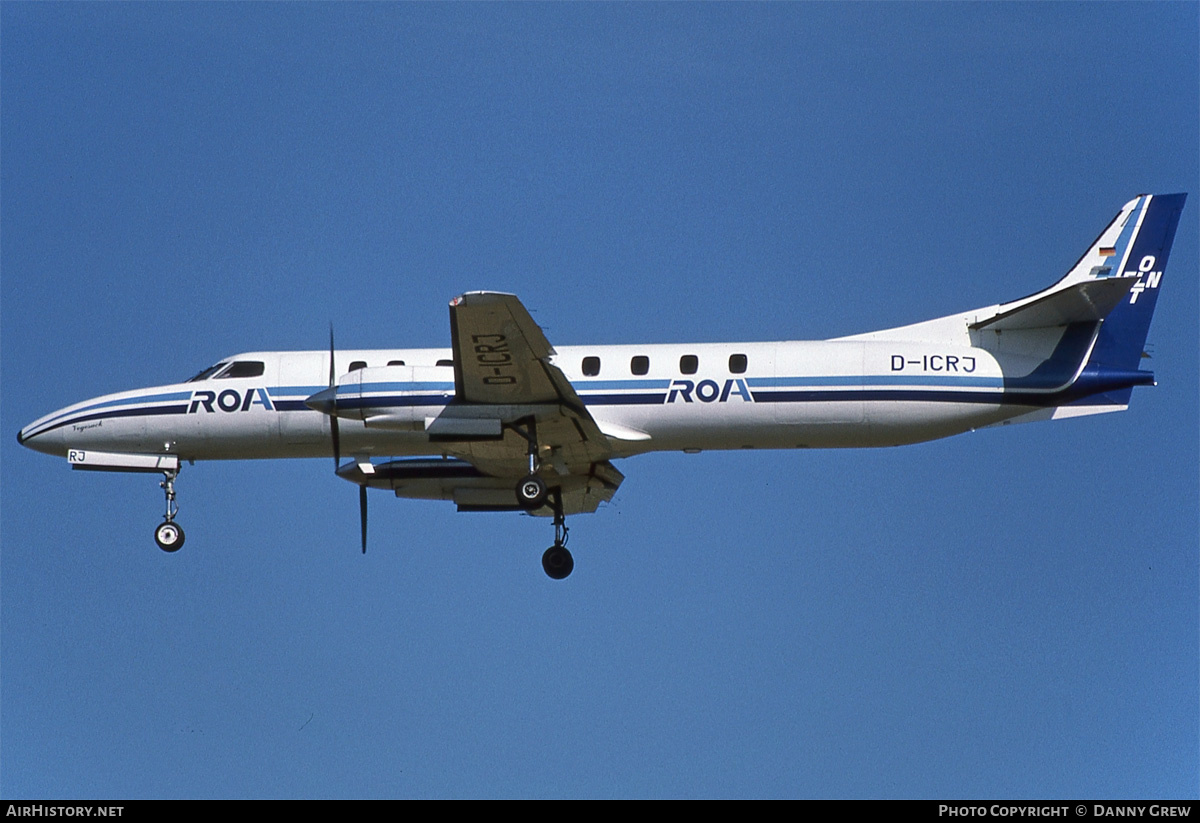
point(557, 562)
point(169, 536)
point(531, 493)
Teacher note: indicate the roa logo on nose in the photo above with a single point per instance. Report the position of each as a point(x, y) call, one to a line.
point(230, 400)
point(708, 391)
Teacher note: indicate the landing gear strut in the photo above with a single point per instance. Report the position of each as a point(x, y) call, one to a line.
point(556, 560)
point(169, 536)
point(531, 491)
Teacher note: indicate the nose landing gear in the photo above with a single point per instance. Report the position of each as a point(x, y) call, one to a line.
point(169, 536)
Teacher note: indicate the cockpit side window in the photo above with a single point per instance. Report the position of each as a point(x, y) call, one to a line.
point(242, 368)
point(207, 373)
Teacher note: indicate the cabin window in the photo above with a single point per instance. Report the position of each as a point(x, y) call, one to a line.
point(358, 364)
point(689, 364)
point(395, 362)
point(207, 373)
point(243, 368)
point(737, 364)
point(639, 364)
point(591, 366)
point(445, 362)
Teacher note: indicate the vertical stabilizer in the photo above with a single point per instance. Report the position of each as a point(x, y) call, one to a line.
point(1141, 251)
point(1112, 289)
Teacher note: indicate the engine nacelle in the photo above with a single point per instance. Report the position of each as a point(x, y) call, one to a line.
point(387, 397)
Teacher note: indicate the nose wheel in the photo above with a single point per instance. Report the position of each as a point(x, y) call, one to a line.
point(169, 535)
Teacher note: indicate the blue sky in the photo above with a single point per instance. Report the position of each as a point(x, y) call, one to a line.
point(1008, 613)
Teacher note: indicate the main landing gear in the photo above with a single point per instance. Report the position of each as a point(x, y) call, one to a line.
point(532, 493)
point(556, 560)
point(169, 536)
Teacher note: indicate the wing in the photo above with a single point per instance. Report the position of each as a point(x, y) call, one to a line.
point(503, 378)
point(500, 354)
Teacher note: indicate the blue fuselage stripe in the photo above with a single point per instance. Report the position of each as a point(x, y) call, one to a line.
point(108, 404)
point(152, 411)
point(988, 391)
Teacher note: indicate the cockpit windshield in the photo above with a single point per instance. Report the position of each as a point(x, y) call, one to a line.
point(225, 369)
point(207, 373)
point(243, 368)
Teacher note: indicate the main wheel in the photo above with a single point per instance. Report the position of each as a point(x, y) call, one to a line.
point(531, 493)
point(169, 536)
point(557, 562)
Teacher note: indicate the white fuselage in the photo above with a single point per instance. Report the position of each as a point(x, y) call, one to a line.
point(817, 394)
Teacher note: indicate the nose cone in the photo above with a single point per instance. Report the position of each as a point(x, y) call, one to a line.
point(113, 422)
point(39, 437)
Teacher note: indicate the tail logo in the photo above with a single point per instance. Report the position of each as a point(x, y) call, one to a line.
point(1148, 279)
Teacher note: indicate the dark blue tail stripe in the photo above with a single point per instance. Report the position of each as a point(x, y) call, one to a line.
point(1123, 334)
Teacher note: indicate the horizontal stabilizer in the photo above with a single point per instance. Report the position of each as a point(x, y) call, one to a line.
point(1086, 302)
point(1060, 413)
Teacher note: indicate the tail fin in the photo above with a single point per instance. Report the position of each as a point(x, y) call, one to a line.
point(1140, 250)
point(1115, 281)
point(1109, 293)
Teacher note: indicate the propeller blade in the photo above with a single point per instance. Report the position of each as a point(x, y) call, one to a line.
point(337, 444)
point(332, 371)
point(362, 513)
point(333, 418)
point(326, 401)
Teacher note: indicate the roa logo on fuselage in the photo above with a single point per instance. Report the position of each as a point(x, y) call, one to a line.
point(229, 400)
point(708, 391)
